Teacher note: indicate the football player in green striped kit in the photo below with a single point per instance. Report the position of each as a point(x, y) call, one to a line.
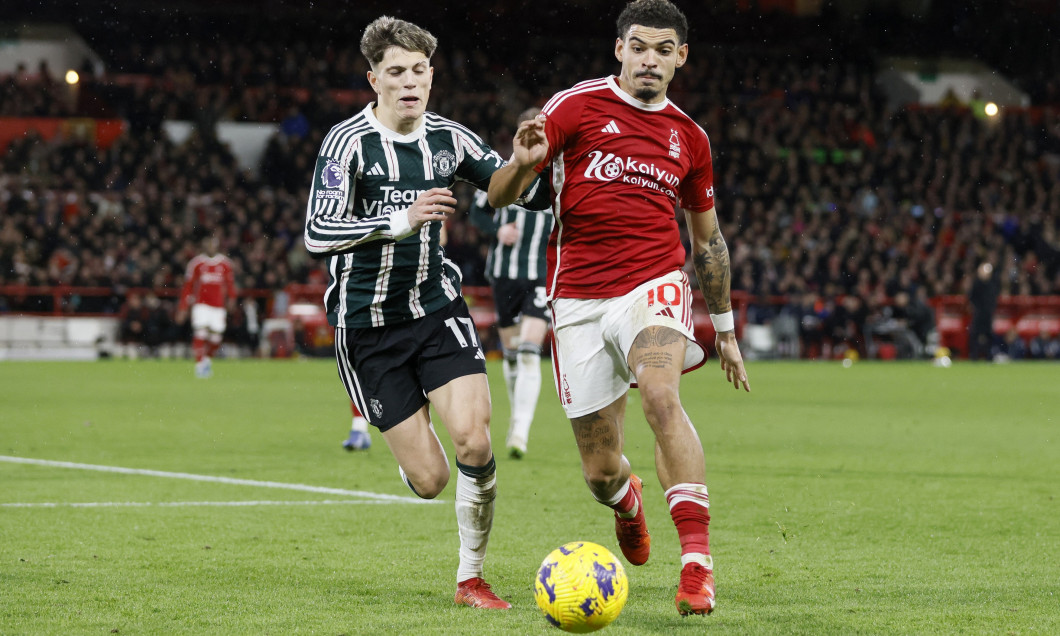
point(515, 267)
point(404, 339)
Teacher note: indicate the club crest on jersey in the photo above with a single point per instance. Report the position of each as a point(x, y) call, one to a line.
point(332, 174)
point(444, 163)
point(675, 145)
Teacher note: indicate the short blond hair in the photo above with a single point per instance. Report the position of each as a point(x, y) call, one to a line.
point(385, 32)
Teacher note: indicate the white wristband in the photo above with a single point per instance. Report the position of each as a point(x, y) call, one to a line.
point(399, 225)
point(723, 322)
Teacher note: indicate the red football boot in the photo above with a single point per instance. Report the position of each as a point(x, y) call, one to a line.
point(476, 592)
point(632, 533)
point(695, 592)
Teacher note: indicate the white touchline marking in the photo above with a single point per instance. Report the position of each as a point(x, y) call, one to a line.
point(219, 480)
point(176, 504)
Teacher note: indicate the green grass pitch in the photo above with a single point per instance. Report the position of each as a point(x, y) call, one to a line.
point(879, 499)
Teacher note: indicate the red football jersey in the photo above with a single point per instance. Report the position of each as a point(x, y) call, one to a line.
point(620, 170)
point(209, 280)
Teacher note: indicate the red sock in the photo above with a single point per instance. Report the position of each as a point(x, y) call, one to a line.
point(211, 348)
point(353, 409)
point(625, 505)
point(198, 345)
point(690, 510)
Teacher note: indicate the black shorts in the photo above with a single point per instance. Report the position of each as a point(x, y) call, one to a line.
point(514, 298)
point(388, 371)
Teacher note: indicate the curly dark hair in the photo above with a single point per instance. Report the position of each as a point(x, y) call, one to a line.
point(656, 14)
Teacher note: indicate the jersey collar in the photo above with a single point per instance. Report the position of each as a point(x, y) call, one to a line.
point(391, 134)
point(633, 101)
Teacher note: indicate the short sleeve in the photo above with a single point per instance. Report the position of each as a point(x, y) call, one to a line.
point(561, 122)
point(697, 189)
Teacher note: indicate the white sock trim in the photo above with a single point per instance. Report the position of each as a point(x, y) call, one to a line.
point(705, 560)
point(617, 497)
point(694, 493)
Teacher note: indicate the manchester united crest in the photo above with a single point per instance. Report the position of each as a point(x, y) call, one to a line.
point(444, 163)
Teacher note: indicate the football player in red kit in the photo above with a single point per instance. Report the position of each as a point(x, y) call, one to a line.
point(624, 158)
point(209, 283)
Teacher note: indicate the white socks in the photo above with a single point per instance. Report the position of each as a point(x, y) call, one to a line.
point(524, 396)
point(476, 488)
point(511, 372)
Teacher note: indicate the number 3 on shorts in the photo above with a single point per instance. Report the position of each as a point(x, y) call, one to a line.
point(464, 342)
point(540, 297)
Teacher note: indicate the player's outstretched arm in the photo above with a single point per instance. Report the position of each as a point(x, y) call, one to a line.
point(710, 257)
point(530, 147)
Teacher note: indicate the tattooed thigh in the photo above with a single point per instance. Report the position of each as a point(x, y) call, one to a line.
point(595, 433)
point(653, 348)
point(657, 336)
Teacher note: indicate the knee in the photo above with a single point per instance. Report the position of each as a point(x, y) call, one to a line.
point(429, 485)
point(662, 404)
point(529, 353)
point(603, 480)
point(473, 447)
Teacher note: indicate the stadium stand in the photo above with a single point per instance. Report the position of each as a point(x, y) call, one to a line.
point(835, 202)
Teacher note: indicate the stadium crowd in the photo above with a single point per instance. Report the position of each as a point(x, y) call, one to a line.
point(843, 214)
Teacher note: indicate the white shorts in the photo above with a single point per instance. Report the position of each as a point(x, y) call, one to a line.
point(208, 318)
point(592, 337)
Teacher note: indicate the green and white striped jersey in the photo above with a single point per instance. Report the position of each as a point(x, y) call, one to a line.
point(526, 258)
point(367, 176)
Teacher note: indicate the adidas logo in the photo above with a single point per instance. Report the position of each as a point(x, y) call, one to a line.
point(666, 312)
point(611, 127)
point(376, 171)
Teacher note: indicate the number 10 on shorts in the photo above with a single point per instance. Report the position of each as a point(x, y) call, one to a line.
point(667, 294)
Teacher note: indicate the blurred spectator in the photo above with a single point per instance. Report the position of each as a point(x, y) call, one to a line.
point(893, 325)
point(1009, 346)
point(145, 326)
point(827, 189)
point(133, 320)
point(1044, 346)
point(983, 298)
point(242, 328)
point(846, 326)
point(811, 311)
point(922, 319)
point(295, 124)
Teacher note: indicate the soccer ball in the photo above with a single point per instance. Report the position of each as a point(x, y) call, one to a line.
point(581, 587)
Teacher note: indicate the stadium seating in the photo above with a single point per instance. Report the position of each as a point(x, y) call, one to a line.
point(824, 187)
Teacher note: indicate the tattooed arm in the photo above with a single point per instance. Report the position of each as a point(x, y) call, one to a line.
point(710, 257)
